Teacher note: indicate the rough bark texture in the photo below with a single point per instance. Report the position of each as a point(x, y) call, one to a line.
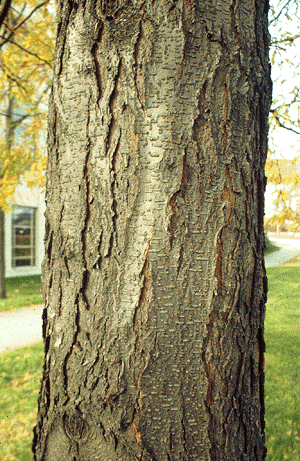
point(154, 278)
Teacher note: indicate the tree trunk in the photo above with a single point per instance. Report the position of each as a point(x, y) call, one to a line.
point(2, 256)
point(154, 278)
point(9, 136)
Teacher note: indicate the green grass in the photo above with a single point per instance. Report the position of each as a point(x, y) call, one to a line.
point(21, 292)
point(20, 375)
point(282, 392)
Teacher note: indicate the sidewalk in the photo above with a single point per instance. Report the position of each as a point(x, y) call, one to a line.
point(289, 248)
point(20, 328)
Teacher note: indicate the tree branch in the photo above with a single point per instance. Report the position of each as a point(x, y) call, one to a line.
point(20, 115)
point(22, 22)
point(280, 12)
point(17, 82)
point(27, 51)
point(30, 14)
point(285, 39)
point(282, 125)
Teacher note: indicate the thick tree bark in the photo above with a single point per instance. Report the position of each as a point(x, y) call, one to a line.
point(154, 279)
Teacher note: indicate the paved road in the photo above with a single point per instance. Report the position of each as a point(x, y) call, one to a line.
point(24, 326)
point(20, 328)
point(289, 248)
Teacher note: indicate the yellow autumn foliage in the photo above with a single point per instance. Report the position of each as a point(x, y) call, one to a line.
point(284, 174)
point(284, 22)
point(26, 51)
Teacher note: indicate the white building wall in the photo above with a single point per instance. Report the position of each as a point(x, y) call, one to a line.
point(27, 197)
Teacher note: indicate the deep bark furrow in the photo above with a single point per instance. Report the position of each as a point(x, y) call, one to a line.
point(94, 52)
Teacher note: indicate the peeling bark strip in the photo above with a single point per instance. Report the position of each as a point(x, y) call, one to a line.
point(154, 280)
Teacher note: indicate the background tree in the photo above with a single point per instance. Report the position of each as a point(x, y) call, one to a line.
point(285, 110)
point(154, 280)
point(26, 73)
point(26, 49)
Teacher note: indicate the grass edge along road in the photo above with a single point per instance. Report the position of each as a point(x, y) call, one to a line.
point(20, 373)
point(270, 246)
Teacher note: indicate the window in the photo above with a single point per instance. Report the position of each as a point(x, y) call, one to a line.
point(23, 236)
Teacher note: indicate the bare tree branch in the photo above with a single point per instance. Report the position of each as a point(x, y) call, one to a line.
point(277, 118)
point(10, 77)
point(20, 115)
point(285, 40)
point(27, 115)
point(285, 6)
point(27, 51)
point(13, 30)
point(30, 14)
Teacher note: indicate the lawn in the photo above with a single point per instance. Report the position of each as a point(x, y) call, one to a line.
point(21, 292)
point(282, 336)
point(20, 373)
